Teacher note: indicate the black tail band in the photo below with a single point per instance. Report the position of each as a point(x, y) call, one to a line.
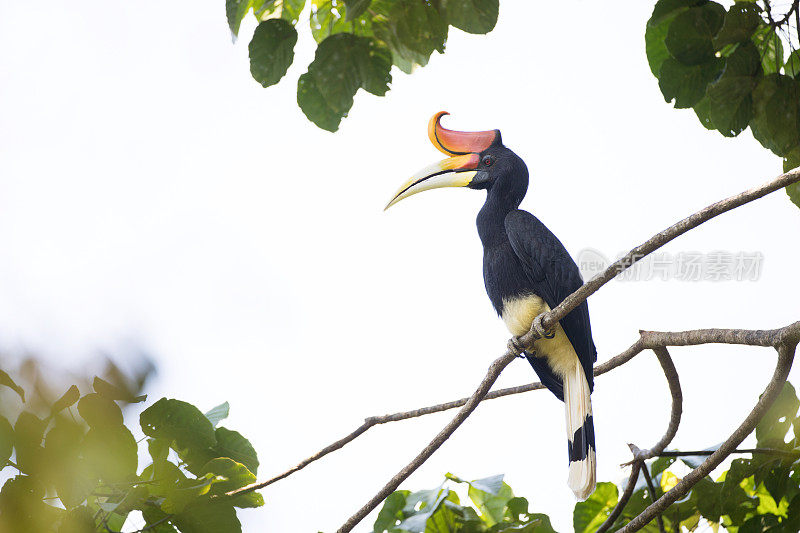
point(582, 440)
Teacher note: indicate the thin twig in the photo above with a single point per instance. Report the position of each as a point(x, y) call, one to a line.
point(765, 451)
point(652, 490)
point(599, 370)
point(784, 364)
point(491, 376)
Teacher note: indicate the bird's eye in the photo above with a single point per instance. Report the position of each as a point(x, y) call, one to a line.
point(488, 160)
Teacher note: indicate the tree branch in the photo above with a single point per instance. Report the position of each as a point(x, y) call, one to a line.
point(639, 456)
point(491, 376)
point(784, 364)
point(660, 239)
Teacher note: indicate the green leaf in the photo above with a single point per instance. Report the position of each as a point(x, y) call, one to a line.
point(668, 9)
point(111, 453)
point(391, 513)
point(115, 392)
point(6, 380)
point(413, 31)
point(730, 97)
point(22, 508)
point(154, 515)
point(272, 51)
point(659, 465)
point(420, 506)
point(703, 111)
point(163, 479)
point(790, 162)
point(234, 475)
point(777, 421)
point(473, 16)
point(178, 422)
point(236, 11)
point(655, 47)
point(761, 523)
point(78, 520)
point(328, 18)
point(687, 84)
point(158, 449)
point(67, 399)
point(65, 467)
point(588, 515)
point(99, 411)
point(218, 413)
point(769, 48)
point(792, 66)
point(233, 445)
point(706, 495)
point(492, 506)
point(776, 113)
point(314, 105)
point(231, 475)
point(342, 63)
point(689, 37)
point(208, 518)
point(291, 9)
point(6, 441)
point(741, 21)
point(493, 484)
point(29, 432)
point(541, 523)
point(355, 8)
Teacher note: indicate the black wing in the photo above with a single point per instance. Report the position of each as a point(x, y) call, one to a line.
point(554, 276)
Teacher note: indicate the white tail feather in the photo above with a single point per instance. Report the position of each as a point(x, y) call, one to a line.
point(578, 405)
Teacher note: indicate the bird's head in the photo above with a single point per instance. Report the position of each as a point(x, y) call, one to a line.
point(477, 160)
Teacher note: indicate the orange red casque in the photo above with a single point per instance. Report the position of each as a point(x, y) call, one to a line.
point(452, 142)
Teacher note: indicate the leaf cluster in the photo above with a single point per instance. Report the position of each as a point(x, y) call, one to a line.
point(730, 67)
point(358, 41)
point(78, 466)
point(495, 509)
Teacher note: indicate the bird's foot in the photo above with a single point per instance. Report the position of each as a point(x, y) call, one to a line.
point(515, 345)
point(539, 329)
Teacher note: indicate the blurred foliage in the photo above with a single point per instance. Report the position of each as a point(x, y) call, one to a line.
point(71, 465)
point(358, 41)
point(759, 494)
point(737, 68)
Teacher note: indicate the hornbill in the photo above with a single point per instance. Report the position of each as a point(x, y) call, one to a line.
point(526, 271)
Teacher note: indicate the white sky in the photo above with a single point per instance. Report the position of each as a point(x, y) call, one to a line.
point(150, 190)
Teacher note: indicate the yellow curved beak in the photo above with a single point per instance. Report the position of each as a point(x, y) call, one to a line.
point(456, 171)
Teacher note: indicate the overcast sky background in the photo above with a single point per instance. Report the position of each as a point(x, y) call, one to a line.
point(152, 192)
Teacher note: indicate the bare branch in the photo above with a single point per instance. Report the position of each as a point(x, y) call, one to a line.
point(646, 339)
point(677, 403)
point(765, 451)
point(491, 376)
point(784, 364)
point(550, 318)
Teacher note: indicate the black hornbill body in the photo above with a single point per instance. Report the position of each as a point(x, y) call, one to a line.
point(527, 271)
